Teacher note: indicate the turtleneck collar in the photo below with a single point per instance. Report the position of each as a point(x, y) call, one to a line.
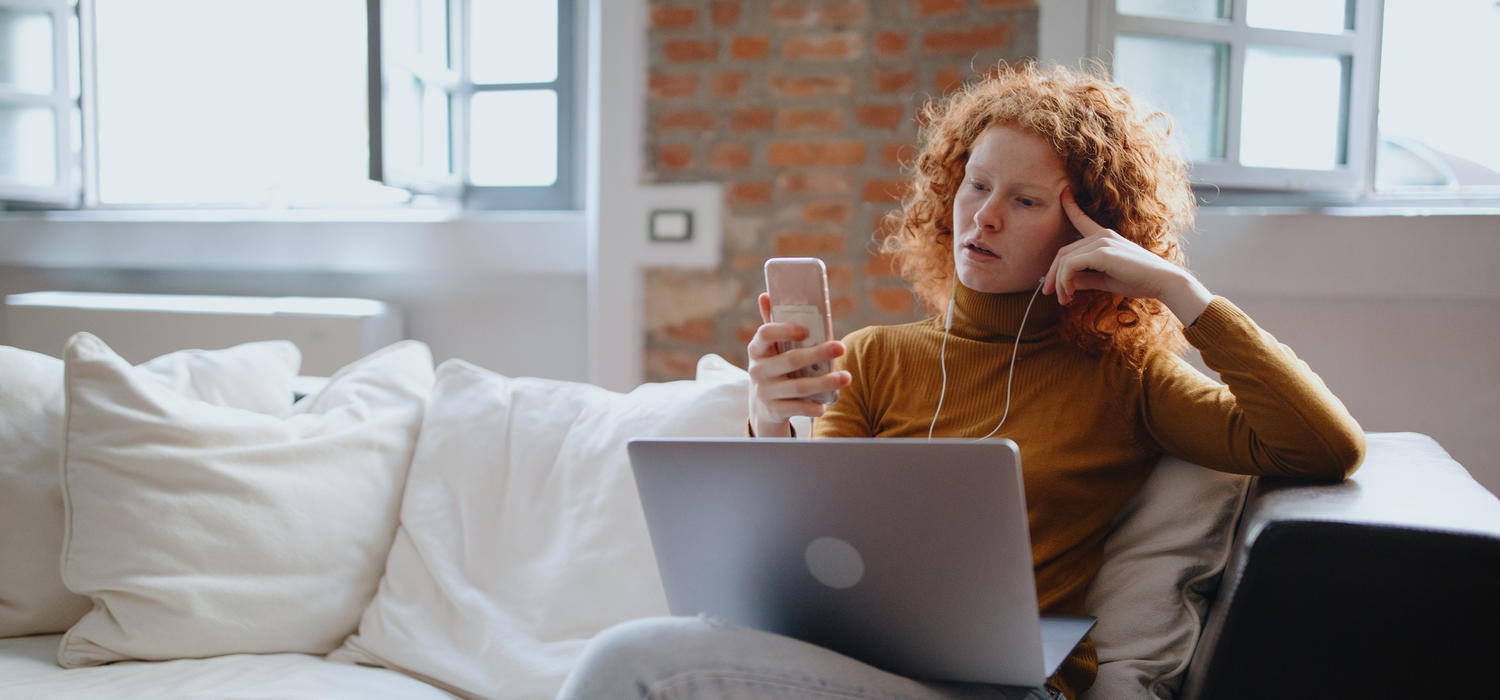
point(995, 317)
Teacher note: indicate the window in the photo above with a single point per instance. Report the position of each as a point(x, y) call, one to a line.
point(281, 103)
point(476, 98)
point(1437, 105)
point(1265, 94)
point(38, 101)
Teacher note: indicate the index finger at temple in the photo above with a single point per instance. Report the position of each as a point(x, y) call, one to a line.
point(1081, 221)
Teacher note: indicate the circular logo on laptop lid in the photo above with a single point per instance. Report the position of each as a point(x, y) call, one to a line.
point(834, 562)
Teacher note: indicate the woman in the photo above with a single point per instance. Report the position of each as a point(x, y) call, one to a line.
point(1044, 233)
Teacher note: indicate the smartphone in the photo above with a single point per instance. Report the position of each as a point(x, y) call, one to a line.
point(799, 294)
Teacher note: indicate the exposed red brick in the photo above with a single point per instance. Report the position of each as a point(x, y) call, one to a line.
point(675, 157)
point(813, 244)
point(747, 194)
point(729, 156)
point(823, 153)
point(890, 43)
point(933, 8)
point(880, 264)
point(830, 119)
point(725, 14)
point(693, 330)
point(841, 307)
point(670, 17)
point(750, 119)
point(662, 85)
point(809, 86)
point(668, 365)
point(805, 14)
point(750, 48)
point(1007, 4)
point(813, 182)
point(842, 46)
point(745, 331)
point(729, 84)
point(881, 191)
point(892, 300)
point(745, 261)
point(888, 81)
point(947, 80)
point(898, 154)
point(827, 212)
point(840, 277)
point(689, 50)
point(879, 116)
point(686, 120)
point(967, 41)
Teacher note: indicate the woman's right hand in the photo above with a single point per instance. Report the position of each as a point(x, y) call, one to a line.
point(775, 397)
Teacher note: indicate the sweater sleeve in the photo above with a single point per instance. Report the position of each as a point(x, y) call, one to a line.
point(1272, 415)
point(849, 416)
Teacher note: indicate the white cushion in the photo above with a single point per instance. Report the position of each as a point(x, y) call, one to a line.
point(1162, 563)
point(28, 669)
point(254, 376)
point(201, 530)
point(521, 532)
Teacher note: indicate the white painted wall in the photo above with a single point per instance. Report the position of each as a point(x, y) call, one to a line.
point(506, 292)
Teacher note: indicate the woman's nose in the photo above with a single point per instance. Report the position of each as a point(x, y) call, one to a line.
point(989, 216)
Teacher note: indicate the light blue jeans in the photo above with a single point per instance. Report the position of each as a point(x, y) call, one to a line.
point(681, 658)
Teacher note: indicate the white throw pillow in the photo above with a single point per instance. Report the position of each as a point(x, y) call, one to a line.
point(201, 530)
point(255, 376)
point(521, 532)
point(1162, 564)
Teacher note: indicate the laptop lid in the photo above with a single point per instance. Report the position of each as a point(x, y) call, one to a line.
point(911, 555)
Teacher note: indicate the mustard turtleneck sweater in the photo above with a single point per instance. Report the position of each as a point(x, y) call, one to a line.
point(1091, 428)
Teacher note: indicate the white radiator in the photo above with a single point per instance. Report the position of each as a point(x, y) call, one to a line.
point(331, 332)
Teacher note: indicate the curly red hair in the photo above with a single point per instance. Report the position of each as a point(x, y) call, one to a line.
point(1124, 172)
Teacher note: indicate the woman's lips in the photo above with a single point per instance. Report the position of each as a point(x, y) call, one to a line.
point(979, 251)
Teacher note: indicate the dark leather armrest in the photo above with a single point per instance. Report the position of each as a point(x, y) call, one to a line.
point(1385, 585)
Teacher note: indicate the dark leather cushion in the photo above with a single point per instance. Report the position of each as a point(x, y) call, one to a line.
point(1341, 610)
point(1386, 585)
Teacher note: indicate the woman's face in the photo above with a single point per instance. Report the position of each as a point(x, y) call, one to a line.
point(1008, 220)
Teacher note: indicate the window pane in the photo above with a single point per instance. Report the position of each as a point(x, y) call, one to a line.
point(513, 41)
point(27, 143)
point(403, 121)
point(400, 26)
point(513, 138)
point(26, 50)
point(433, 31)
point(196, 108)
point(1320, 16)
point(1437, 126)
point(437, 130)
point(1176, 9)
point(1185, 79)
point(1293, 109)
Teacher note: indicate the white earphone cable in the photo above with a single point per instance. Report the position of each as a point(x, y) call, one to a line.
point(1010, 374)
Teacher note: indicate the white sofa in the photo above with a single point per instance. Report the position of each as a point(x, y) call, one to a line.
point(183, 529)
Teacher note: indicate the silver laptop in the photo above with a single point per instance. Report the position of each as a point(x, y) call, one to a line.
point(910, 555)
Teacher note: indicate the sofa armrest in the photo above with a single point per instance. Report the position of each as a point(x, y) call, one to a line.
point(1383, 585)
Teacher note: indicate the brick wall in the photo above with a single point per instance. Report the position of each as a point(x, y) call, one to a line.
point(804, 110)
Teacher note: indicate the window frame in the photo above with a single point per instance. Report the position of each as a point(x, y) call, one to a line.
point(1359, 46)
point(66, 188)
point(562, 194)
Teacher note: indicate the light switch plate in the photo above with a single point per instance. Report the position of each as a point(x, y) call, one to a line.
point(674, 225)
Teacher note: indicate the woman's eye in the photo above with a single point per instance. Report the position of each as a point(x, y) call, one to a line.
point(1026, 202)
point(977, 185)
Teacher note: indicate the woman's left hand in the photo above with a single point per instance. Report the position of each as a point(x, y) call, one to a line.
point(1103, 259)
